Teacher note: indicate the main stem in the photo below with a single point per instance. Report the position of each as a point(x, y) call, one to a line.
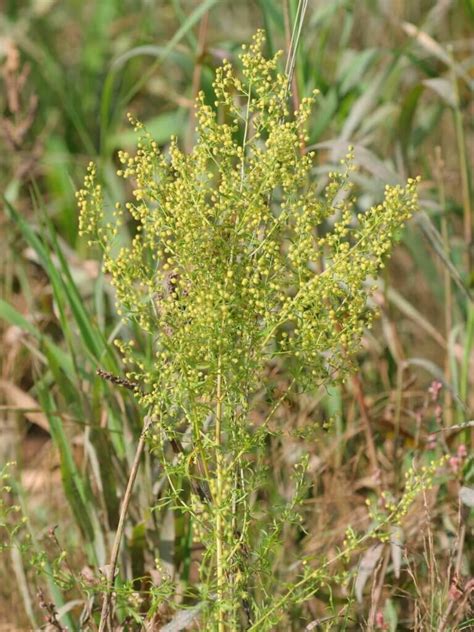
point(218, 501)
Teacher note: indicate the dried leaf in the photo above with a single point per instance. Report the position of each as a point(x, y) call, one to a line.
point(432, 47)
point(364, 156)
point(22, 582)
point(432, 234)
point(182, 620)
point(396, 547)
point(466, 496)
point(413, 314)
point(18, 398)
point(167, 543)
point(443, 88)
point(366, 568)
point(362, 107)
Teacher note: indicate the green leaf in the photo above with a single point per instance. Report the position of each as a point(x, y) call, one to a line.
point(407, 115)
point(354, 65)
point(326, 107)
point(12, 316)
point(161, 54)
point(79, 497)
point(161, 127)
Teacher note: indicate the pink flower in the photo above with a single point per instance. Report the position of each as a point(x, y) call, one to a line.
point(380, 621)
point(431, 442)
point(462, 451)
point(454, 463)
point(434, 390)
point(455, 592)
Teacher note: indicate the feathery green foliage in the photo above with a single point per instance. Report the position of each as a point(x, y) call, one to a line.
point(236, 262)
point(226, 261)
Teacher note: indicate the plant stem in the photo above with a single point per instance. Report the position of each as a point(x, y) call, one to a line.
point(457, 569)
point(371, 449)
point(104, 615)
point(297, 585)
point(464, 169)
point(448, 295)
point(200, 50)
point(219, 498)
point(377, 591)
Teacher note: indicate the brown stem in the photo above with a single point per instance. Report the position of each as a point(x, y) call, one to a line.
point(377, 592)
point(51, 615)
point(118, 380)
point(457, 568)
point(104, 616)
point(364, 413)
point(448, 294)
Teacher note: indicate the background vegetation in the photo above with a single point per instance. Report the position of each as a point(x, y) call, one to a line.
point(396, 81)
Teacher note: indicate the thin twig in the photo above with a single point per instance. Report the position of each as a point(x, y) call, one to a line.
point(295, 38)
point(371, 450)
point(50, 610)
point(118, 380)
point(448, 294)
point(377, 590)
point(464, 170)
point(104, 616)
point(457, 569)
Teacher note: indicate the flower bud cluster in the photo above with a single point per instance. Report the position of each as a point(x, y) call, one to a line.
point(234, 257)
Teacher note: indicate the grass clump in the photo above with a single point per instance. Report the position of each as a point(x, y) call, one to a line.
point(237, 262)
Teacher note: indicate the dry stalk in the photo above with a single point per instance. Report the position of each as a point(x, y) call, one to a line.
point(105, 614)
point(454, 590)
point(364, 413)
point(377, 590)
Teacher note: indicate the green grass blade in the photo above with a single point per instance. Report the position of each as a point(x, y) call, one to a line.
point(77, 490)
point(12, 316)
point(466, 359)
point(188, 24)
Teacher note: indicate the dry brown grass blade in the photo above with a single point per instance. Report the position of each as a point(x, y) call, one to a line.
point(25, 403)
point(376, 594)
point(367, 566)
point(456, 591)
point(432, 47)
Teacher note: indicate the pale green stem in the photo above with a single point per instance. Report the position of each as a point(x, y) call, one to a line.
point(219, 499)
point(464, 169)
point(280, 603)
point(244, 142)
point(448, 295)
